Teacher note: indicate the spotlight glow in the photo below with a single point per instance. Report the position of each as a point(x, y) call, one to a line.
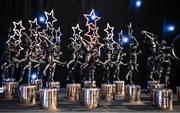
point(170, 28)
point(125, 39)
point(93, 17)
point(34, 76)
point(42, 19)
point(138, 3)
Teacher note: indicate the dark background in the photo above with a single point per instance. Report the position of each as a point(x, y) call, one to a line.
point(151, 16)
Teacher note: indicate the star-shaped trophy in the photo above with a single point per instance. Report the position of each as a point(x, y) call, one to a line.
point(109, 31)
point(77, 31)
point(33, 26)
point(50, 19)
point(18, 27)
point(92, 33)
point(91, 19)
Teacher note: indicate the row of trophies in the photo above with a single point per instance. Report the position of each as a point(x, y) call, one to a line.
point(40, 49)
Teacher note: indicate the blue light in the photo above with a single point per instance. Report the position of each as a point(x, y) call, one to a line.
point(34, 76)
point(93, 17)
point(125, 39)
point(41, 19)
point(170, 28)
point(138, 3)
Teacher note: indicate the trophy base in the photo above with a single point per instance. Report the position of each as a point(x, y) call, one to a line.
point(88, 84)
point(49, 99)
point(73, 92)
point(53, 85)
point(10, 89)
point(28, 94)
point(119, 88)
point(154, 87)
point(90, 97)
point(132, 93)
point(164, 99)
point(178, 94)
point(107, 92)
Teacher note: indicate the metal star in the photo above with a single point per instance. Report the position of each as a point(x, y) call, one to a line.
point(49, 32)
point(18, 47)
point(50, 19)
point(92, 33)
point(18, 27)
point(77, 31)
point(33, 38)
point(33, 26)
point(109, 31)
point(91, 18)
point(58, 32)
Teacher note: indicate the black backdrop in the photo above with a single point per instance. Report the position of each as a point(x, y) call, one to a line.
point(151, 16)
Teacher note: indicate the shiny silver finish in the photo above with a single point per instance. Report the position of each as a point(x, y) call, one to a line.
point(53, 85)
point(133, 93)
point(119, 88)
point(164, 99)
point(178, 94)
point(28, 94)
point(49, 98)
point(107, 92)
point(88, 84)
point(154, 87)
point(90, 97)
point(73, 92)
point(10, 89)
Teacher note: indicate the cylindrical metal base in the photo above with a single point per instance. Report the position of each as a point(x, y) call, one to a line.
point(132, 93)
point(49, 98)
point(164, 99)
point(28, 94)
point(178, 94)
point(119, 88)
point(10, 89)
point(53, 85)
point(154, 87)
point(107, 92)
point(88, 84)
point(73, 92)
point(90, 97)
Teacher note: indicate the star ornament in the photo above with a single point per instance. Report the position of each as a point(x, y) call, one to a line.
point(18, 27)
point(92, 33)
point(77, 31)
point(50, 19)
point(91, 18)
point(33, 26)
point(109, 30)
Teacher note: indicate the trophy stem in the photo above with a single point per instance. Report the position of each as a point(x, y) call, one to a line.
point(178, 94)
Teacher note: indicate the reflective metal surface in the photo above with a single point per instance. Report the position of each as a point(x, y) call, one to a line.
point(154, 87)
point(88, 84)
point(164, 99)
point(73, 92)
point(151, 83)
point(90, 97)
point(10, 89)
point(119, 88)
point(49, 98)
point(53, 85)
point(38, 83)
point(107, 92)
point(28, 94)
point(132, 93)
point(178, 94)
